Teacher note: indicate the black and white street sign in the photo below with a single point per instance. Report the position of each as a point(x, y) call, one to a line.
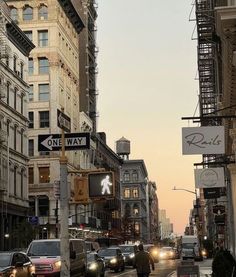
point(63, 121)
point(73, 141)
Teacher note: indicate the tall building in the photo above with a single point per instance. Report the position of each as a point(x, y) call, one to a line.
point(166, 227)
point(153, 211)
point(14, 51)
point(87, 56)
point(53, 68)
point(134, 195)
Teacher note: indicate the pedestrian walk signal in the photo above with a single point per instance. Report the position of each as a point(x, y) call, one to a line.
point(101, 185)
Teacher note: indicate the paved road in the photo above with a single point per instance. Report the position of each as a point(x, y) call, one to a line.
point(162, 269)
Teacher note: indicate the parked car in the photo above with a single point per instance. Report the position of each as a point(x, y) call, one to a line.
point(92, 246)
point(15, 264)
point(45, 255)
point(129, 251)
point(114, 259)
point(167, 253)
point(95, 265)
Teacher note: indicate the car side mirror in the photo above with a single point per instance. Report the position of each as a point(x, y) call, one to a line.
point(19, 264)
point(73, 254)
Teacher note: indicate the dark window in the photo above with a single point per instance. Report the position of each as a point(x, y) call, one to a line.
point(31, 66)
point(43, 38)
point(22, 104)
point(43, 12)
point(8, 93)
point(31, 119)
point(22, 183)
point(27, 13)
point(43, 203)
point(44, 119)
point(14, 63)
point(135, 176)
point(44, 174)
point(21, 70)
point(15, 136)
point(126, 177)
point(31, 147)
point(22, 141)
point(31, 175)
point(29, 34)
point(7, 60)
point(15, 97)
point(43, 66)
point(14, 173)
point(43, 92)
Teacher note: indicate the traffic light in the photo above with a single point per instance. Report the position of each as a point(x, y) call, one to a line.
point(101, 185)
point(81, 190)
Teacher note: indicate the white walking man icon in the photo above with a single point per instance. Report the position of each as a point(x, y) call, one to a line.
point(105, 183)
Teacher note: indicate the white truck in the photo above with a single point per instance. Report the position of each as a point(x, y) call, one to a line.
point(190, 248)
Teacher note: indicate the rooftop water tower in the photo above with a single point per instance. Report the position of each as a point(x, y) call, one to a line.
point(123, 148)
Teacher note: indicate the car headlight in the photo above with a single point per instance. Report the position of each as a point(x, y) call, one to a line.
point(131, 255)
point(92, 266)
point(32, 269)
point(171, 253)
point(154, 252)
point(57, 265)
point(204, 252)
point(113, 261)
point(162, 254)
point(14, 271)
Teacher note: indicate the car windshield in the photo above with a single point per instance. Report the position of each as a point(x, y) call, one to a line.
point(44, 248)
point(126, 249)
point(5, 259)
point(107, 252)
point(91, 257)
point(188, 245)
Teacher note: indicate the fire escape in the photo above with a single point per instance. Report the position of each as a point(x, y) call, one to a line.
point(92, 65)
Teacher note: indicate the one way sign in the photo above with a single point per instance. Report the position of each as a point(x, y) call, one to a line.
point(73, 141)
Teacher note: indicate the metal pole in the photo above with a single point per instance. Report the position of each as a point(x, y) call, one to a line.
point(64, 213)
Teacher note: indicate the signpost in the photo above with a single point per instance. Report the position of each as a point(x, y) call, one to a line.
point(63, 121)
point(73, 141)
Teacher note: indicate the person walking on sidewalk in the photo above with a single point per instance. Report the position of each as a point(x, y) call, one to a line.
point(142, 262)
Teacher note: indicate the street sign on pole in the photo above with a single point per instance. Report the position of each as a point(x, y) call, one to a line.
point(63, 121)
point(73, 141)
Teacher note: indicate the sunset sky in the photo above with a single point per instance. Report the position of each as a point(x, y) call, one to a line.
point(147, 65)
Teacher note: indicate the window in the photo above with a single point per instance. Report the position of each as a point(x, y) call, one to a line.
point(126, 177)
point(43, 66)
point(14, 14)
point(22, 182)
point(29, 35)
point(127, 210)
point(31, 147)
point(31, 119)
point(126, 193)
point(31, 66)
point(22, 141)
point(15, 97)
point(31, 175)
point(14, 176)
point(135, 209)
point(31, 92)
point(135, 176)
point(21, 70)
point(44, 119)
point(27, 13)
point(7, 60)
point(135, 193)
point(43, 92)
point(15, 136)
point(137, 228)
point(14, 63)
point(43, 204)
point(44, 174)
point(43, 38)
point(43, 12)
point(22, 103)
point(8, 93)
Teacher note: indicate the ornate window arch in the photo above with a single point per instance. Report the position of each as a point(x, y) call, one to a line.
point(14, 13)
point(43, 12)
point(27, 13)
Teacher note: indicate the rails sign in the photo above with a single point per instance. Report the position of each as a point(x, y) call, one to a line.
point(73, 141)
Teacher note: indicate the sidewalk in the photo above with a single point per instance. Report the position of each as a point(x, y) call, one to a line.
point(204, 268)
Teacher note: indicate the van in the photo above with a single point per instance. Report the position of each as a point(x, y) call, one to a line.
point(190, 247)
point(45, 256)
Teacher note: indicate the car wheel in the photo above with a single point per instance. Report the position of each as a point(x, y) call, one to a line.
point(123, 267)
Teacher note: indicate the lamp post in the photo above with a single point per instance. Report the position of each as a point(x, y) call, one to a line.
point(197, 206)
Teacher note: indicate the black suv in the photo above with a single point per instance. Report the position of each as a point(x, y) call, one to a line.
point(129, 251)
point(113, 257)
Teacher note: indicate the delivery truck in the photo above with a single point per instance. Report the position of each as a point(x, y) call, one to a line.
point(190, 248)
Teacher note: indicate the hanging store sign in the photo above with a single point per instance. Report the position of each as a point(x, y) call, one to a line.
point(211, 193)
point(203, 140)
point(209, 177)
point(218, 209)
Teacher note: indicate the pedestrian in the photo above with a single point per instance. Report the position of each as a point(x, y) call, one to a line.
point(142, 262)
point(223, 264)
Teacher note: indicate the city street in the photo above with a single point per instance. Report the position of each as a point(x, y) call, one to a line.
point(162, 269)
